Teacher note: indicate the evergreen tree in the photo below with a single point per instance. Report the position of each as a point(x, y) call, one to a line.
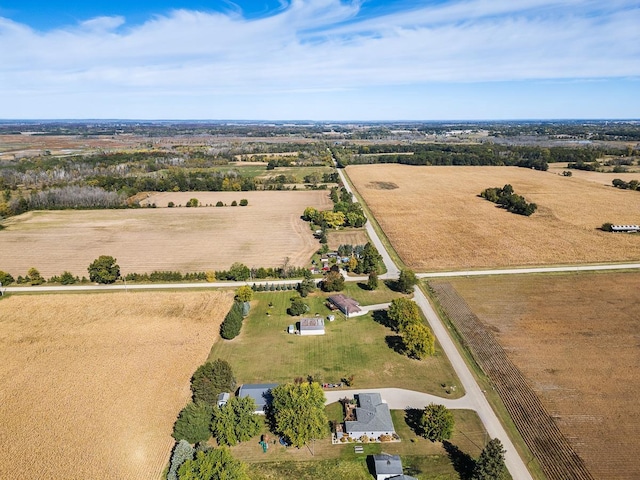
point(490, 465)
point(210, 380)
point(193, 423)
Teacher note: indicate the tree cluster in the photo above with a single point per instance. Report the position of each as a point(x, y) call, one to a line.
point(333, 281)
point(404, 317)
point(166, 276)
point(506, 198)
point(297, 307)
point(630, 185)
point(213, 464)
point(104, 269)
point(297, 412)
point(232, 323)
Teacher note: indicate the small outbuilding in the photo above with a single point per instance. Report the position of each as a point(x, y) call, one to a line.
point(312, 326)
point(345, 304)
point(389, 467)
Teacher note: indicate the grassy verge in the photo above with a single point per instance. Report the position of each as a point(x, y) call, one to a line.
point(360, 346)
point(485, 384)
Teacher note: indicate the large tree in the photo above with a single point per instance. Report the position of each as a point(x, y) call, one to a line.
point(333, 282)
point(436, 423)
point(490, 465)
point(193, 423)
point(418, 340)
point(235, 422)
point(211, 379)
point(298, 412)
point(104, 269)
point(215, 464)
point(244, 294)
point(403, 312)
point(407, 280)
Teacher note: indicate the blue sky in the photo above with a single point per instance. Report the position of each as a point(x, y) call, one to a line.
point(320, 59)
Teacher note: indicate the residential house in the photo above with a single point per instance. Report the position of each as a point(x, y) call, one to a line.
point(371, 418)
point(345, 304)
point(261, 394)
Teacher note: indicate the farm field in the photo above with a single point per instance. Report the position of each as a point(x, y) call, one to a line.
point(575, 339)
point(263, 233)
point(335, 238)
point(435, 219)
point(603, 178)
point(264, 352)
point(92, 384)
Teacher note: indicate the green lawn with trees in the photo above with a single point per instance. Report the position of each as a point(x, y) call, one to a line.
point(361, 346)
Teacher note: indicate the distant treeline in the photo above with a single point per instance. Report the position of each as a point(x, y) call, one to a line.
point(452, 154)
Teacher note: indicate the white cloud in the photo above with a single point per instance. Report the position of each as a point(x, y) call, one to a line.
point(322, 45)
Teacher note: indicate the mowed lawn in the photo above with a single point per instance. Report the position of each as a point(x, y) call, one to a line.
point(264, 352)
point(421, 458)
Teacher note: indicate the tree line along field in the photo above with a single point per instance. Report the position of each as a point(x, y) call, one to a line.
point(436, 220)
point(575, 339)
point(264, 233)
point(92, 384)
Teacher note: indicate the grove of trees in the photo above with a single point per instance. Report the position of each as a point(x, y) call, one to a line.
point(235, 422)
point(213, 464)
point(404, 317)
point(506, 198)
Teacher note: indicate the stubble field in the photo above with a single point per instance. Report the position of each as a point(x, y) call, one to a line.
point(92, 384)
point(575, 339)
point(435, 219)
point(263, 233)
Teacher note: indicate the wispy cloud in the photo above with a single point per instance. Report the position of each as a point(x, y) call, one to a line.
point(325, 45)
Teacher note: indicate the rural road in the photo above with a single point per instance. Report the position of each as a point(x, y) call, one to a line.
point(392, 269)
point(520, 271)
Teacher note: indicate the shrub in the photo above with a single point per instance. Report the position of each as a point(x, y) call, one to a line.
point(234, 204)
point(244, 202)
point(219, 204)
point(67, 278)
point(171, 204)
point(298, 307)
point(34, 277)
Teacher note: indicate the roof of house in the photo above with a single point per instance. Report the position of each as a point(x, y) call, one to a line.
point(386, 464)
point(260, 392)
point(346, 304)
point(402, 477)
point(314, 323)
point(372, 414)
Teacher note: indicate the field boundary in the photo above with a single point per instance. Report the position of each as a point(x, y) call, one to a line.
point(542, 436)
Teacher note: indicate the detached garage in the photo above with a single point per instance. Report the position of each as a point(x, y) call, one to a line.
point(311, 326)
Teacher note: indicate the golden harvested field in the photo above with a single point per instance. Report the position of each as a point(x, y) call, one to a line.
point(603, 178)
point(575, 338)
point(435, 219)
point(92, 384)
point(263, 233)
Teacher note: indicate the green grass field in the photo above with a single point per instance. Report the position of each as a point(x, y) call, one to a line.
point(264, 351)
point(420, 457)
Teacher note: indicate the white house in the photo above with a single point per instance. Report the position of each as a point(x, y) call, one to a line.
point(372, 418)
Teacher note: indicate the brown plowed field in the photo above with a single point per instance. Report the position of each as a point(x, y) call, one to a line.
point(261, 234)
point(575, 340)
point(92, 384)
point(435, 219)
